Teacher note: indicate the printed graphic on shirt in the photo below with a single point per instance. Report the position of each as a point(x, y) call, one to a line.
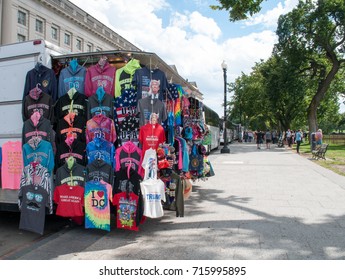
point(127, 212)
point(97, 208)
point(127, 205)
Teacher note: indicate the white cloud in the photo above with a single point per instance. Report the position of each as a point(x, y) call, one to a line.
point(203, 25)
point(270, 18)
point(188, 40)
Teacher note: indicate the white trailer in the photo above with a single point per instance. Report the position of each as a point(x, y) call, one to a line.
point(15, 61)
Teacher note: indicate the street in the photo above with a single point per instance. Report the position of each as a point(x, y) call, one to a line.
point(261, 205)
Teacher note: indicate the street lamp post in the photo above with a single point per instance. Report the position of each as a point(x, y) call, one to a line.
point(225, 148)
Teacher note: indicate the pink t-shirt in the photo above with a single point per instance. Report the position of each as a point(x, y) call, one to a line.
point(12, 165)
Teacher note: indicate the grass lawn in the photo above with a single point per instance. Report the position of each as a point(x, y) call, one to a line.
point(335, 157)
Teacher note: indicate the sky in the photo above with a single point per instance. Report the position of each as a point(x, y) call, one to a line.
point(194, 38)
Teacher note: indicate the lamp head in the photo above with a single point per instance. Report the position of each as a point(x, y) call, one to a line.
point(224, 65)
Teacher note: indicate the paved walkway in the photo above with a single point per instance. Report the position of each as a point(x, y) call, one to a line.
point(262, 204)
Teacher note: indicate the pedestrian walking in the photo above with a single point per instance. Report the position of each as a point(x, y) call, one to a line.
point(268, 138)
point(298, 140)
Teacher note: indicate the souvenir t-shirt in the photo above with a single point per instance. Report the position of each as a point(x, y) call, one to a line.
point(100, 76)
point(149, 164)
point(69, 200)
point(100, 149)
point(37, 175)
point(151, 135)
point(12, 165)
point(100, 126)
point(126, 117)
point(147, 106)
point(127, 205)
point(40, 151)
point(98, 196)
point(153, 194)
point(33, 209)
point(143, 79)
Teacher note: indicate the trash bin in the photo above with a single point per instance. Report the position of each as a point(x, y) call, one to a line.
point(313, 141)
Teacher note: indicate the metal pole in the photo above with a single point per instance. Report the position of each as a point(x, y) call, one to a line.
point(225, 148)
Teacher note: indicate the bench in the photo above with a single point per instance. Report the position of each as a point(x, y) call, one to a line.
point(320, 152)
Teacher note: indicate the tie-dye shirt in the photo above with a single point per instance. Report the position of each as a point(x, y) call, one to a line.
point(97, 198)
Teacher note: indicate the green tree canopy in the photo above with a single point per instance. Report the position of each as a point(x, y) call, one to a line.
point(312, 37)
point(239, 9)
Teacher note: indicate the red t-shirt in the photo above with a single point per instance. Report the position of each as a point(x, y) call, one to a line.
point(69, 200)
point(126, 210)
point(150, 136)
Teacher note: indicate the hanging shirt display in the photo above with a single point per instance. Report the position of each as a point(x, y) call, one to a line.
point(100, 76)
point(72, 76)
point(98, 196)
point(151, 135)
point(70, 147)
point(102, 149)
point(147, 106)
point(128, 155)
point(38, 101)
point(100, 103)
point(71, 102)
point(124, 76)
point(37, 126)
point(100, 126)
point(40, 151)
point(71, 173)
point(149, 164)
point(128, 181)
point(127, 207)
point(34, 201)
point(99, 170)
point(44, 77)
point(70, 125)
point(150, 82)
point(37, 175)
point(12, 165)
point(126, 119)
point(69, 200)
point(153, 195)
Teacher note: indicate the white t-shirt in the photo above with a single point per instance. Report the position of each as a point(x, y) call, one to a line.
point(149, 164)
point(153, 193)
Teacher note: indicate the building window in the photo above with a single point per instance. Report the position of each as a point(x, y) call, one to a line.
point(78, 44)
point(39, 26)
point(22, 18)
point(20, 38)
point(54, 33)
point(89, 48)
point(67, 39)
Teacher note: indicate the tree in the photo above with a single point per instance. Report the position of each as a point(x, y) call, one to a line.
point(239, 9)
point(285, 91)
point(313, 36)
point(249, 104)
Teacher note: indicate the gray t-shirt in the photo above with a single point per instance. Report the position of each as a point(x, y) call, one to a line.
point(268, 135)
point(33, 208)
point(147, 106)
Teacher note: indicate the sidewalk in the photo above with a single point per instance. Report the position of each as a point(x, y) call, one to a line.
point(262, 204)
